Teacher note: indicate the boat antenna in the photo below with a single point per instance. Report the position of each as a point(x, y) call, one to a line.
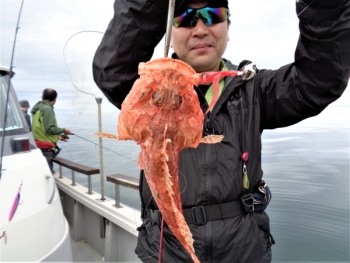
point(8, 89)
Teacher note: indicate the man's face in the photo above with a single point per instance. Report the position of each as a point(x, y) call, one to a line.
point(201, 46)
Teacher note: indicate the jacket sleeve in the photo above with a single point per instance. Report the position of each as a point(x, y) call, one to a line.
point(49, 122)
point(133, 33)
point(319, 74)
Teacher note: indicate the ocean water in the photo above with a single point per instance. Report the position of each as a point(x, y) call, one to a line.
point(305, 165)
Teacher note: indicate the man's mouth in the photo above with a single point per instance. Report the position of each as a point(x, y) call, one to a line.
point(200, 46)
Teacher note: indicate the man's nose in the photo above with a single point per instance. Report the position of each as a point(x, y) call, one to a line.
point(201, 29)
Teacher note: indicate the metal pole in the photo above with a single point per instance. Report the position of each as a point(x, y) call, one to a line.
point(169, 26)
point(89, 185)
point(117, 196)
point(73, 178)
point(99, 101)
point(61, 175)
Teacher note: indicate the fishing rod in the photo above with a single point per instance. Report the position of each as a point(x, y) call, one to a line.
point(169, 25)
point(101, 146)
point(8, 89)
point(171, 10)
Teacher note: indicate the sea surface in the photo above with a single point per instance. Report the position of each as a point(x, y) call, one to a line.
point(305, 165)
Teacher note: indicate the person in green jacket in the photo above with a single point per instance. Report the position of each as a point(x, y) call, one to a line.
point(44, 127)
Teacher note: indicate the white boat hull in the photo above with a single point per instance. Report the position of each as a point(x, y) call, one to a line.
point(38, 230)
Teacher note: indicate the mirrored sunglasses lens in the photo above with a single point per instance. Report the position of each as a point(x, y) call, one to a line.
point(209, 16)
point(186, 19)
point(215, 15)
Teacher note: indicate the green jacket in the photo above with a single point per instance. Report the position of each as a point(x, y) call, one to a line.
point(44, 126)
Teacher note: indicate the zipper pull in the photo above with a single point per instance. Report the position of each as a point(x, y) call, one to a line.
point(244, 158)
point(245, 177)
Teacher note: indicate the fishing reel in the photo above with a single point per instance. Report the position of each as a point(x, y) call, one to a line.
point(65, 136)
point(249, 71)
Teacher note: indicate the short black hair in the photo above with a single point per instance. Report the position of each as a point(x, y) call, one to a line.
point(49, 94)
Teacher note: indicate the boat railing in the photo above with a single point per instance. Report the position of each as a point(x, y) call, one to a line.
point(76, 167)
point(123, 180)
point(117, 179)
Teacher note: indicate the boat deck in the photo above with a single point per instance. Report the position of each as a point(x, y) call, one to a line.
point(83, 252)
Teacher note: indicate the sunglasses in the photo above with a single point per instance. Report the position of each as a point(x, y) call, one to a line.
point(209, 15)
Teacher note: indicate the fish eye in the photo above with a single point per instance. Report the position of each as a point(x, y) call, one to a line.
point(157, 99)
point(177, 100)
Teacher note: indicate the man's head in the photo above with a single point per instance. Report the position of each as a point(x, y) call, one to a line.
point(24, 104)
point(49, 95)
point(200, 33)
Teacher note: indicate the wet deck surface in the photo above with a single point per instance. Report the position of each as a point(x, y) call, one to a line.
point(83, 252)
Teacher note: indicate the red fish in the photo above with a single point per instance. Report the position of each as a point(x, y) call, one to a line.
point(163, 115)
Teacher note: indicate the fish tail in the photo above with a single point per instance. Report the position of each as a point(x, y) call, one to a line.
point(165, 190)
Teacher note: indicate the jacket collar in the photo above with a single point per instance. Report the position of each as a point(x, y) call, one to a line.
point(47, 103)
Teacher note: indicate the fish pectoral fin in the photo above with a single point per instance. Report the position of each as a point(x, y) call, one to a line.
point(140, 161)
point(212, 139)
point(108, 135)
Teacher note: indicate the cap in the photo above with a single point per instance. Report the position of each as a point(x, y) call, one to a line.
point(24, 103)
point(180, 6)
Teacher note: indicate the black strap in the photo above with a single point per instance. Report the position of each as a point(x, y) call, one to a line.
point(203, 89)
point(200, 215)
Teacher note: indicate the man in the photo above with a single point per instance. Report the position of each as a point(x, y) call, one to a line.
point(24, 107)
point(45, 130)
point(214, 178)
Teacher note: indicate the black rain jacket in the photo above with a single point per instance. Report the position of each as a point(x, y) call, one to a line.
point(212, 173)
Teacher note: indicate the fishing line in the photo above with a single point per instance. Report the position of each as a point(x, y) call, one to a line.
point(61, 143)
point(96, 144)
point(277, 31)
point(305, 8)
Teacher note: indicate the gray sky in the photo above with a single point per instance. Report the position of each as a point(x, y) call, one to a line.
point(264, 31)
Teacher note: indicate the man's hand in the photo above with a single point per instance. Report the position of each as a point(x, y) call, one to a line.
point(63, 138)
point(67, 131)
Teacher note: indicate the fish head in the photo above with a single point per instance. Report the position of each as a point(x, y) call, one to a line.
point(163, 101)
point(171, 82)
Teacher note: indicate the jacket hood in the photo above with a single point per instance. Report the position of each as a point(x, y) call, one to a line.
point(39, 105)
